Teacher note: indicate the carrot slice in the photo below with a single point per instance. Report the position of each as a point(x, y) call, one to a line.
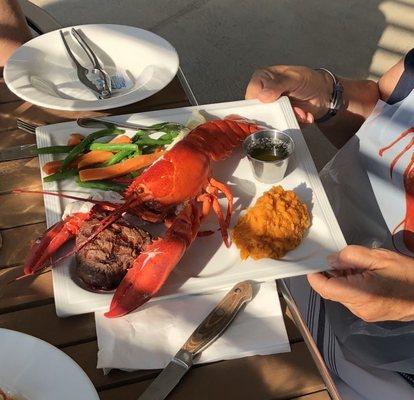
point(122, 168)
point(75, 139)
point(93, 157)
point(52, 167)
point(121, 139)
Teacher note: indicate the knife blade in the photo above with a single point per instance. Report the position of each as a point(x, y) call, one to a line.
point(205, 334)
point(17, 152)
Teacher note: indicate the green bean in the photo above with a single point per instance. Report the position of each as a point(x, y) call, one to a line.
point(151, 142)
point(102, 185)
point(133, 174)
point(170, 136)
point(118, 157)
point(85, 143)
point(139, 134)
point(170, 128)
point(167, 127)
point(114, 146)
point(53, 150)
point(167, 138)
point(149, 149)
point(60, 176)
point(105, 139)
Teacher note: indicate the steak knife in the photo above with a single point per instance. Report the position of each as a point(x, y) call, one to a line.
point(205, 334)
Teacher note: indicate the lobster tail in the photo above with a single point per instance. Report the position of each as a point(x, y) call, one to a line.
point(218, 138)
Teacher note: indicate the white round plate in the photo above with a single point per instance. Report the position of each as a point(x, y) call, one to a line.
point(35, 370)
point(42, 73)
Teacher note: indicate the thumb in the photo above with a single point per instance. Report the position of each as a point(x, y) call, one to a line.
point(265, 86)
point(272, 89)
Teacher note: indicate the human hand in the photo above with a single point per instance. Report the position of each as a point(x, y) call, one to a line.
point(374, 284)
point(309, 90)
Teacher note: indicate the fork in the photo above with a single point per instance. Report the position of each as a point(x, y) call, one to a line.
point(26, 126)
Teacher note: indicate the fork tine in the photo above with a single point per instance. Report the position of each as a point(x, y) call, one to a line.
point(26, 126)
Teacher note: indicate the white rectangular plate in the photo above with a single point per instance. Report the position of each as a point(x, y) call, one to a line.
point(208, 265)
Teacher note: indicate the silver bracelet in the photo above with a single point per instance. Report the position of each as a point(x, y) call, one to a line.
point(336, 98)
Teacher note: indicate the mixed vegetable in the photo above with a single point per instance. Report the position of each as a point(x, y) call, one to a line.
point(108, 159)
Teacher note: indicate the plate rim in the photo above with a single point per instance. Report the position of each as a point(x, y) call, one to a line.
point(94, 106)
point(53, 348)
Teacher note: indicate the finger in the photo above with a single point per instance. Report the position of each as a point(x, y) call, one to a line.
point(254, 87)
point(354, 257)
point(266, 86)
point(309, 118)
point(300, 114)
point(318, 282)
point(272, 89)
point(334, 288)
point(303, 116)
point(323, 285)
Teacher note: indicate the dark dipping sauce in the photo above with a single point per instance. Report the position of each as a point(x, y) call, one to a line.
point(274, 152)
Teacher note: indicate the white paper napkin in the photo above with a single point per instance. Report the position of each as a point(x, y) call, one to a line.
point(148, 338)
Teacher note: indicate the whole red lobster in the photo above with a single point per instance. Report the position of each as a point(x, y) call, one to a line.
point(178, 189)
point(408, 180)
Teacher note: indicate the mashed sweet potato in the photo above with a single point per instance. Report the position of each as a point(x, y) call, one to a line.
point(275, 225)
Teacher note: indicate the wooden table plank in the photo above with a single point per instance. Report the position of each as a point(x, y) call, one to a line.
point(18, 210)
point(28, 292)
point(15, 137)
point(16, 243)
point(171, 96)
point(16, 174)
point(322, 395)
point(280, 376)
point(6, 96)
point(43, 323)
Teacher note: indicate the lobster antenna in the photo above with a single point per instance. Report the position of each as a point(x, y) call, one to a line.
point(66, 196)
point(21, 277)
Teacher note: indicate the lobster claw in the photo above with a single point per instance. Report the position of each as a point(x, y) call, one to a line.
point(153, 266)
point(47, 244)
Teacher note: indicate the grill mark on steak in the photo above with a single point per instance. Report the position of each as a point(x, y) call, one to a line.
point(103, 262)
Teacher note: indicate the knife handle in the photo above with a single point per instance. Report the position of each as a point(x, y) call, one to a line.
point(220, 318)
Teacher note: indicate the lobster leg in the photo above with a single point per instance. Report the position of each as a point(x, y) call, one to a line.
point(229, 196)
point(217, 209)
point(153, 266)
point(57, 235)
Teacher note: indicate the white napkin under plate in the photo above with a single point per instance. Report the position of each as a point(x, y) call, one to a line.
point(149, 337)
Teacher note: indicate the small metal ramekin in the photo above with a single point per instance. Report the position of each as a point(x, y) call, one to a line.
point(269, 171)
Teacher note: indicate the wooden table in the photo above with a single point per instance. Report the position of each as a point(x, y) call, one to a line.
point(27, 306)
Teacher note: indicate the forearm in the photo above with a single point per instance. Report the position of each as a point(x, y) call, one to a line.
point(359, 99)
point(13, 29)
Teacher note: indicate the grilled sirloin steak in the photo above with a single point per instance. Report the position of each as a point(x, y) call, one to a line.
point(102, 263)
